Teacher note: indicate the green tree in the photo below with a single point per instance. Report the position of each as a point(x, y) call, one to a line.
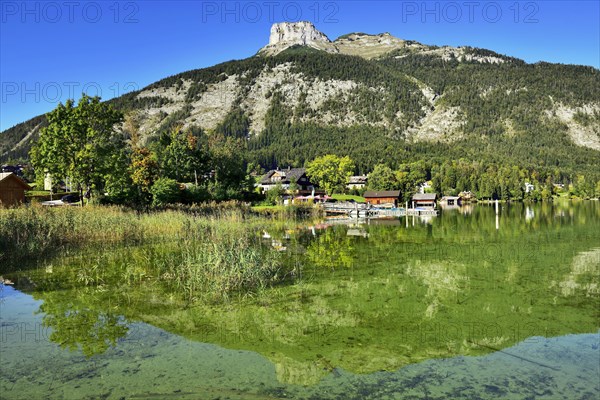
point(274, 194)
point(182, 159)
point(406, 185)
point(228, 162)
point(236, 124)
point(294, 187)
point(164, 191)
point(382, 178)
point(144, 172)
point(330, 172)
point(583, 187)
point(80, 142)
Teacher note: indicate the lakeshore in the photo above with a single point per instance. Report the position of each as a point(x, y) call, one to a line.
point(307, 304)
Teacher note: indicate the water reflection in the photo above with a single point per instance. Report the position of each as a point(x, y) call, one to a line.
point(152, 363)
point(582, 278)
point(366, 297)
point(81, 320)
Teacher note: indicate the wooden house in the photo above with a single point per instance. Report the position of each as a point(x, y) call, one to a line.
point(286, 177)
point(424, 200)
point(12, 189)
point(383, 197)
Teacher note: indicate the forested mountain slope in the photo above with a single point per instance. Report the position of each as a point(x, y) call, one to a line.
point(395, 101)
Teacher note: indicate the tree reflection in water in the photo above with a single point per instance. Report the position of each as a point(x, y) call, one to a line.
point(377, 301)
point(80, 319)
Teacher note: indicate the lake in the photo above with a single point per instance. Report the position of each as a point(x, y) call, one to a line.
point(468, 304)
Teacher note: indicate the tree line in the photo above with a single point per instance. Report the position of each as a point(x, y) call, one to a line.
point(100, 150)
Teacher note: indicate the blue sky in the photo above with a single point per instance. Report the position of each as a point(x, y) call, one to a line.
point(53, 50)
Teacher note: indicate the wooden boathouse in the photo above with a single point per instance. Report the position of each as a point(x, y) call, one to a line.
point(382, 197)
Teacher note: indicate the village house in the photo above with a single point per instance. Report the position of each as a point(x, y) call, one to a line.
point(286, 177)
point(357, 182)
point(529, 187)
point(382, 197)
point(424, 200)
point(448, 202)
point(12, 189)
point(15, 169)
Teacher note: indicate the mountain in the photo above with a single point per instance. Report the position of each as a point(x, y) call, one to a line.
point(378, 99)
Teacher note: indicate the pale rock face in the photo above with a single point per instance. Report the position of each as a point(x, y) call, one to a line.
point(304, 33)
point(586, 136)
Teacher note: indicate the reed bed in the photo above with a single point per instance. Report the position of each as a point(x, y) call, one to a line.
point(219, 257)
point(27, 233)
point(202, 253)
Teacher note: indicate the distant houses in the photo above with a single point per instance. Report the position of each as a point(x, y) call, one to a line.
point(12, 189)
point(382, 197)
point(357, 182)
point(450, 202)
point(15, 169)
point(287, 178)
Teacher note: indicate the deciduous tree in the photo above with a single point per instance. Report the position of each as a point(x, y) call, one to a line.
point(382, 178)
point(81, 142)
point(330, 172)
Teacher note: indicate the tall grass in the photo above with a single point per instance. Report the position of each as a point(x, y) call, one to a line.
point(219, 257)
point(202, 253)
point(28, 233)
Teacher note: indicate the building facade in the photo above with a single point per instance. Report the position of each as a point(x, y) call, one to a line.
point(383, 197)
point(424, 200)
point(12, 189)
point(286, 177)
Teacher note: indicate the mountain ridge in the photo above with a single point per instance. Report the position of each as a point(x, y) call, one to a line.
point(397, 94)
point(288, 34)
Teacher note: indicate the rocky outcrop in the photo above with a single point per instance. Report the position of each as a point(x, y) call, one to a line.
point(287, 34)
point(585, 135)
point(368, 46)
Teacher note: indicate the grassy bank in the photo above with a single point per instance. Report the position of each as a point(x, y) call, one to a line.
point(203, 253)
point(347, 197)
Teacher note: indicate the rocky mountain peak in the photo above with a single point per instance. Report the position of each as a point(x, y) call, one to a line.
point(303, 33)
point(287, 34)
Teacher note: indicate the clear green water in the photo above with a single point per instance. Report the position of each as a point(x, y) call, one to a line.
point(466, 305)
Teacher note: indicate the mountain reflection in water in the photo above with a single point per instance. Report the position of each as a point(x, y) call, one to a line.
point(408, 300)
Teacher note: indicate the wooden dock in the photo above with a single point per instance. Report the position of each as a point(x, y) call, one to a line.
point(361, 210)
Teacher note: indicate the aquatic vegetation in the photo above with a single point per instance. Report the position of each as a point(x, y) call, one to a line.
point(335, 301)
point(227, 258)
point(202, 252)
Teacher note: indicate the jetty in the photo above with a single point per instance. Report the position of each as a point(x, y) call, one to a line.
point(362, 210)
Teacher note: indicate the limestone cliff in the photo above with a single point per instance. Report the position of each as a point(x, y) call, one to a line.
point(287, 34)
